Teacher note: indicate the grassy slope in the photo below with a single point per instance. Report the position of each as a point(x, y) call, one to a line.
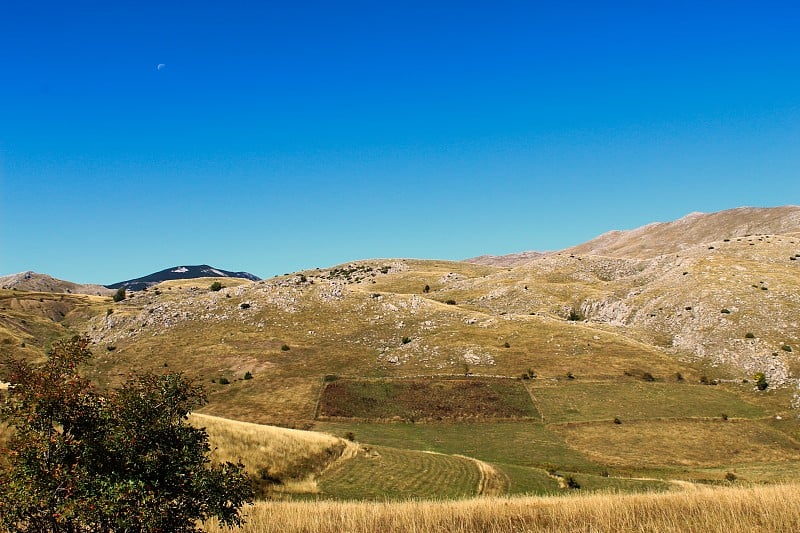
point(355, 327)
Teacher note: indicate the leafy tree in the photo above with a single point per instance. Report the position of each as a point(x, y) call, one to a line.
point(120, 294)
point(82, 460)
point(216, 286)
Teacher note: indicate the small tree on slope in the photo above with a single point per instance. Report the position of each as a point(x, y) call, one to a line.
point(126, 460)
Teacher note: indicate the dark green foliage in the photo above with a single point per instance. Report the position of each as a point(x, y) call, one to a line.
point(248, 375)
point(405, 340)
point(109, 311)
point(725, 311)
point(119, 295)
point(761, 381)
point(506, 345)
point(224, 381)
point(678, 377)
point(82, 460)
point(244, 306)
point(426, 289)
point(285, 348)
point(749, 335)
point(216, 286)
point(450, 302)
point(572, 483)
point(570, 375)
point(575, 315)
point(786, 348)
point(730, 476)
point(617, 420)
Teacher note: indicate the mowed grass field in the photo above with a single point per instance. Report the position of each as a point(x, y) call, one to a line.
point(381, 473)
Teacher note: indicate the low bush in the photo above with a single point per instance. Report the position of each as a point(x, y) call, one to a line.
point(575, 316)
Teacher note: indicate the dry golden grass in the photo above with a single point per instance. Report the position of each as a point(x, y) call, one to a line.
point(704, 509)
point(290, 456)
point(652, 443)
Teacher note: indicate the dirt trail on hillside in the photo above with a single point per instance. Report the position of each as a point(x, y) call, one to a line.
point(492, 482)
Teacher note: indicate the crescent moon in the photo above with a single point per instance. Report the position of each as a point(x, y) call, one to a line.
point(160, 66)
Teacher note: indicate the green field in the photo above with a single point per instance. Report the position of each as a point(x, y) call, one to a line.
point(628, 399)
point(515, 443)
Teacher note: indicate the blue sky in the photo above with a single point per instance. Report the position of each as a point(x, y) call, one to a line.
point(293, 135)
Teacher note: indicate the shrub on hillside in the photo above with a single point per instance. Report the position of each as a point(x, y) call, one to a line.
point(216, 286)
point(119, 295)
point(761, 381)
point(118, 460)
point(575, 315)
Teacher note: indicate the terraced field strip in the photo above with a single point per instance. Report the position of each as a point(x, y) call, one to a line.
point(629, 400)
point(522, 443)
point(380, 473)
point(684, 443)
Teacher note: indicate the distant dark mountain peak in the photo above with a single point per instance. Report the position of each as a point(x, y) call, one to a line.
point(180, 272)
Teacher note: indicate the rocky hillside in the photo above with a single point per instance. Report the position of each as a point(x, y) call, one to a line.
point(31, 281)
point(662, 238)
point(722, 307)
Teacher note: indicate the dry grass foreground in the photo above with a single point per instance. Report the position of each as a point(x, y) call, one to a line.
point(735, 509)
point(286, 460)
